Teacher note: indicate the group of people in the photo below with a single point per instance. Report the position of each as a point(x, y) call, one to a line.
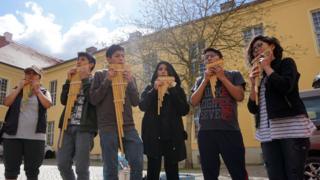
point(282, 123)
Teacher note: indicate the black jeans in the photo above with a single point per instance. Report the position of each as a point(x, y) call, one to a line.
point(32, 152)
point(154, 163)
point(229, 145)
point(285, 158)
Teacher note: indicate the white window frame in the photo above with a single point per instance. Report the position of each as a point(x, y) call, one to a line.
point(253, 32)
point(149, 65)
point(50, 133)
point(196, 118)
point(53, 92)
point(316, 32)
point(196, 62)
point(6, 90)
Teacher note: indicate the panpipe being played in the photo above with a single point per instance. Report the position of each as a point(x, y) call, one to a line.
point(167, 81)
point(74, 90)
point(256, 63)
point(213, 79)
point(119, 86)
point(27, 92)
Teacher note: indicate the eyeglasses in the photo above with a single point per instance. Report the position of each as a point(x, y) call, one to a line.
point(257, 45)
point(209, 56)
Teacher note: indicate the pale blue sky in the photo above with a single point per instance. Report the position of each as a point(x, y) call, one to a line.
point(61, 28)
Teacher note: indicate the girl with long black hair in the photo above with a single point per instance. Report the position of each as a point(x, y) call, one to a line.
point(163, 134)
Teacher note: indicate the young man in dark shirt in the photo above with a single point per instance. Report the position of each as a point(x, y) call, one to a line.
point(219, 132)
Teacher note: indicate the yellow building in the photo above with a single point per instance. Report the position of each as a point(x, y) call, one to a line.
point(295, 22)
point(14, 58)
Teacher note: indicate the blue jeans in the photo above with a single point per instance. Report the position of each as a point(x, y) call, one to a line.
point(133, 151)
point(285, 158)
point(76, 146)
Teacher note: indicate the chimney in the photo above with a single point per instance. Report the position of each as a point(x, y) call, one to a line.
point(228, 5)
point(91, 50)
point(135, 35)
point(8, 36)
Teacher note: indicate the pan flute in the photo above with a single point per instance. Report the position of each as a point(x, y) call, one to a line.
point(119, 86)
point(213, 79)
point(167, 81)
point(74, 90)
point(27, 92)
point(256, 63)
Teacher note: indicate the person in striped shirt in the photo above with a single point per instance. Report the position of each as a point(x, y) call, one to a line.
point(282, 123)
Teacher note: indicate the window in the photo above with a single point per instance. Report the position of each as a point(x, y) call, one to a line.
point(251, 32)
point(195, 51)
point(50, 133)
point(316, 23)
point(196, 116)
point(313, 108)
point(149, 65)
point(3, 89)
point(202, 68)
point(53, 91)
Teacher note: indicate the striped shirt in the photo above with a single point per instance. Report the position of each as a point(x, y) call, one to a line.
point(298, 126)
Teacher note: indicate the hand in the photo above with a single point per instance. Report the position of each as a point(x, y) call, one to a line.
point(71, 72)
point(254, 72)
point(172, 84)
point(157, 84)
point(84, 72)
point(111, 73)
point(207, 74)
point(127, 75)
point(35, 87)
point(219, 72)
point(266, 59)
point(22, 83)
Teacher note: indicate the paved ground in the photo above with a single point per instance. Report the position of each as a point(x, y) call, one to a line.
point(49, 171)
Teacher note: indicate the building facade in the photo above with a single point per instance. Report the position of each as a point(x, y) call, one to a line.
point(295, 22)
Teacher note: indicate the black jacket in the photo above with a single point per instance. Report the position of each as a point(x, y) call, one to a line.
point(174, 106)
point(282, 92)
point(10, 124)
point(88, 122)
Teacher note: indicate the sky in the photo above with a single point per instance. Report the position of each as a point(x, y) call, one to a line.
point(61, 28)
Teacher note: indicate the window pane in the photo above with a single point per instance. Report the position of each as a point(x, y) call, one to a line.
point(149, 65)
point(3, 89)
point(258, 31)
point(250, 32)
point(313, 108)
point(53, 91)
point(247, 35)
point(50, 133)
point(316, 23)
point(201, 68)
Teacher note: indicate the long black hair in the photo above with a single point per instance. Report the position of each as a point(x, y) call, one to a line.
point(277, 51)
point(171, 72)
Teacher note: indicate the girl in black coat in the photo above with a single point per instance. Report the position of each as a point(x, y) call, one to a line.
point(164, 135)
point(282, 123)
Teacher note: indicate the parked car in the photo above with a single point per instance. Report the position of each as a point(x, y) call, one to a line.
point(311, 99)
point(48, 151)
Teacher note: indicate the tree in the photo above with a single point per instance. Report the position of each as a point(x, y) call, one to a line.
point(183, 28)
